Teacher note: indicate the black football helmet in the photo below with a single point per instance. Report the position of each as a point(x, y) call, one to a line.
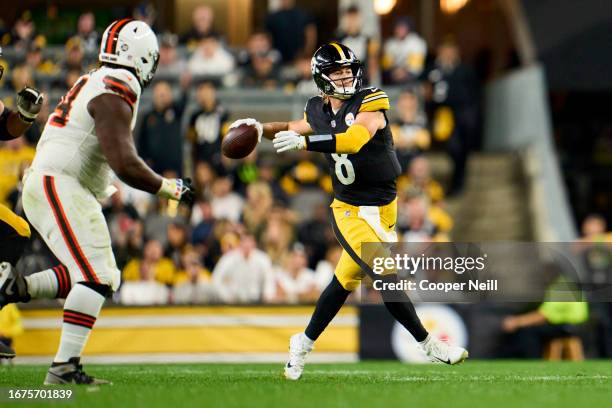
point(330, 57)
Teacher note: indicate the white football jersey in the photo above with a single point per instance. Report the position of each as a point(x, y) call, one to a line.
point(68, 145)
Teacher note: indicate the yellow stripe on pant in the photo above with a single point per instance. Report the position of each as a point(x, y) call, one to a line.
point(352, 231)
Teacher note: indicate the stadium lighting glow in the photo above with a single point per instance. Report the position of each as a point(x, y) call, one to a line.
point(452, 6)
point(382, 7)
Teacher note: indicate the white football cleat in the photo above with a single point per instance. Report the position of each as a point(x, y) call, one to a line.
point(441, 352)
point(299, 348)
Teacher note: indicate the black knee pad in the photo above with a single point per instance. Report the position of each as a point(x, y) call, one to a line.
point(104, 290)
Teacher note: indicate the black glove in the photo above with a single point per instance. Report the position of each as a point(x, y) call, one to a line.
point(188, 195)
point(29, 103)
point(177, 189)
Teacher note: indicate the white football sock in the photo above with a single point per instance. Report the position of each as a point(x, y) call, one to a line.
point(50, 283)
point(42, 284)
point(81, 310)
point(306, 340)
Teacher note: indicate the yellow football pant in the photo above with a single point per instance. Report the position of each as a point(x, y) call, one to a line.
point(14, 234)
point(352, 231)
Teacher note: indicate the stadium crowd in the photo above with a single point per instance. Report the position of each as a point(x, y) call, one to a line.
point(259, 229)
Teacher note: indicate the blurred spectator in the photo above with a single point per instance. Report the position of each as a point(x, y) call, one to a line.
point(202, 26)
point(301, 80)
point(418, 179)
point(557, 317)
point(75, 55)
point(243, 172)
point(170, 66)
point(207, 126)
point(268, 174)
point(157, 222)
point(258, 44)
point(366, 49)
point(241, 273)
point(193, 283)
point(595, 229)
point(204, 176)
point(203, 228)
point(293, 282)
point(257, 207)
point(34, 60)
point(595, 250)
point(14, 156)
point(87, 33)
point(159, 140)
point(316, 234)
point(225, 202)
point(293, 30)
point(420, 222)
point(178, 235)
point(261, 72)
point(455, 101)
point(210, 58)
point(146, 12)
point(70, 78)
point(24, 34)
point(326, 267)
point(152, 267)
point(22, 77)
point(404, 54)
point(122, 220)
point(410, 133)
point(278, 234)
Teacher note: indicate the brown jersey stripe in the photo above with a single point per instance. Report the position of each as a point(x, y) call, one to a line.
point(66, 230)
point(120, 87)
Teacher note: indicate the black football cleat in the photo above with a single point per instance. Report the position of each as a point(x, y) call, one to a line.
point(13, 286)
point(71, 373)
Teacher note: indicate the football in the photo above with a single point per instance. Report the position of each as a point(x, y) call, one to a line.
point(239, 142)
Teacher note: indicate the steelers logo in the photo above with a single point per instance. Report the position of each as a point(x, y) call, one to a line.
point(349, 119)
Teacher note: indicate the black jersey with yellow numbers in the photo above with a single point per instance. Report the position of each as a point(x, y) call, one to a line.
point(368, 176)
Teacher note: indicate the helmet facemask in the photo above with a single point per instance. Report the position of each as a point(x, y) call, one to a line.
point(336, 87)
point(145, 68)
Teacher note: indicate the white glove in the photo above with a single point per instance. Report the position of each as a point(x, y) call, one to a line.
point(250, 122)
point(288, 140)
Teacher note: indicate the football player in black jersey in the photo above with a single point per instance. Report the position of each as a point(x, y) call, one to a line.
point(14, 230)
point(349, 125)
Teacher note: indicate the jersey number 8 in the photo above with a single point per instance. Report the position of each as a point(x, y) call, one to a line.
point(344, 165)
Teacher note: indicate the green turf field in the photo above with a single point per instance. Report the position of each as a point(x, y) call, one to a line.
point(373, 384)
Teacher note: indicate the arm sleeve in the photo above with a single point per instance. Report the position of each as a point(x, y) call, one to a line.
point(349, 142)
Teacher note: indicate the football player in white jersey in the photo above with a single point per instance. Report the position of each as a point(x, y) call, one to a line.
point(88, 135)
